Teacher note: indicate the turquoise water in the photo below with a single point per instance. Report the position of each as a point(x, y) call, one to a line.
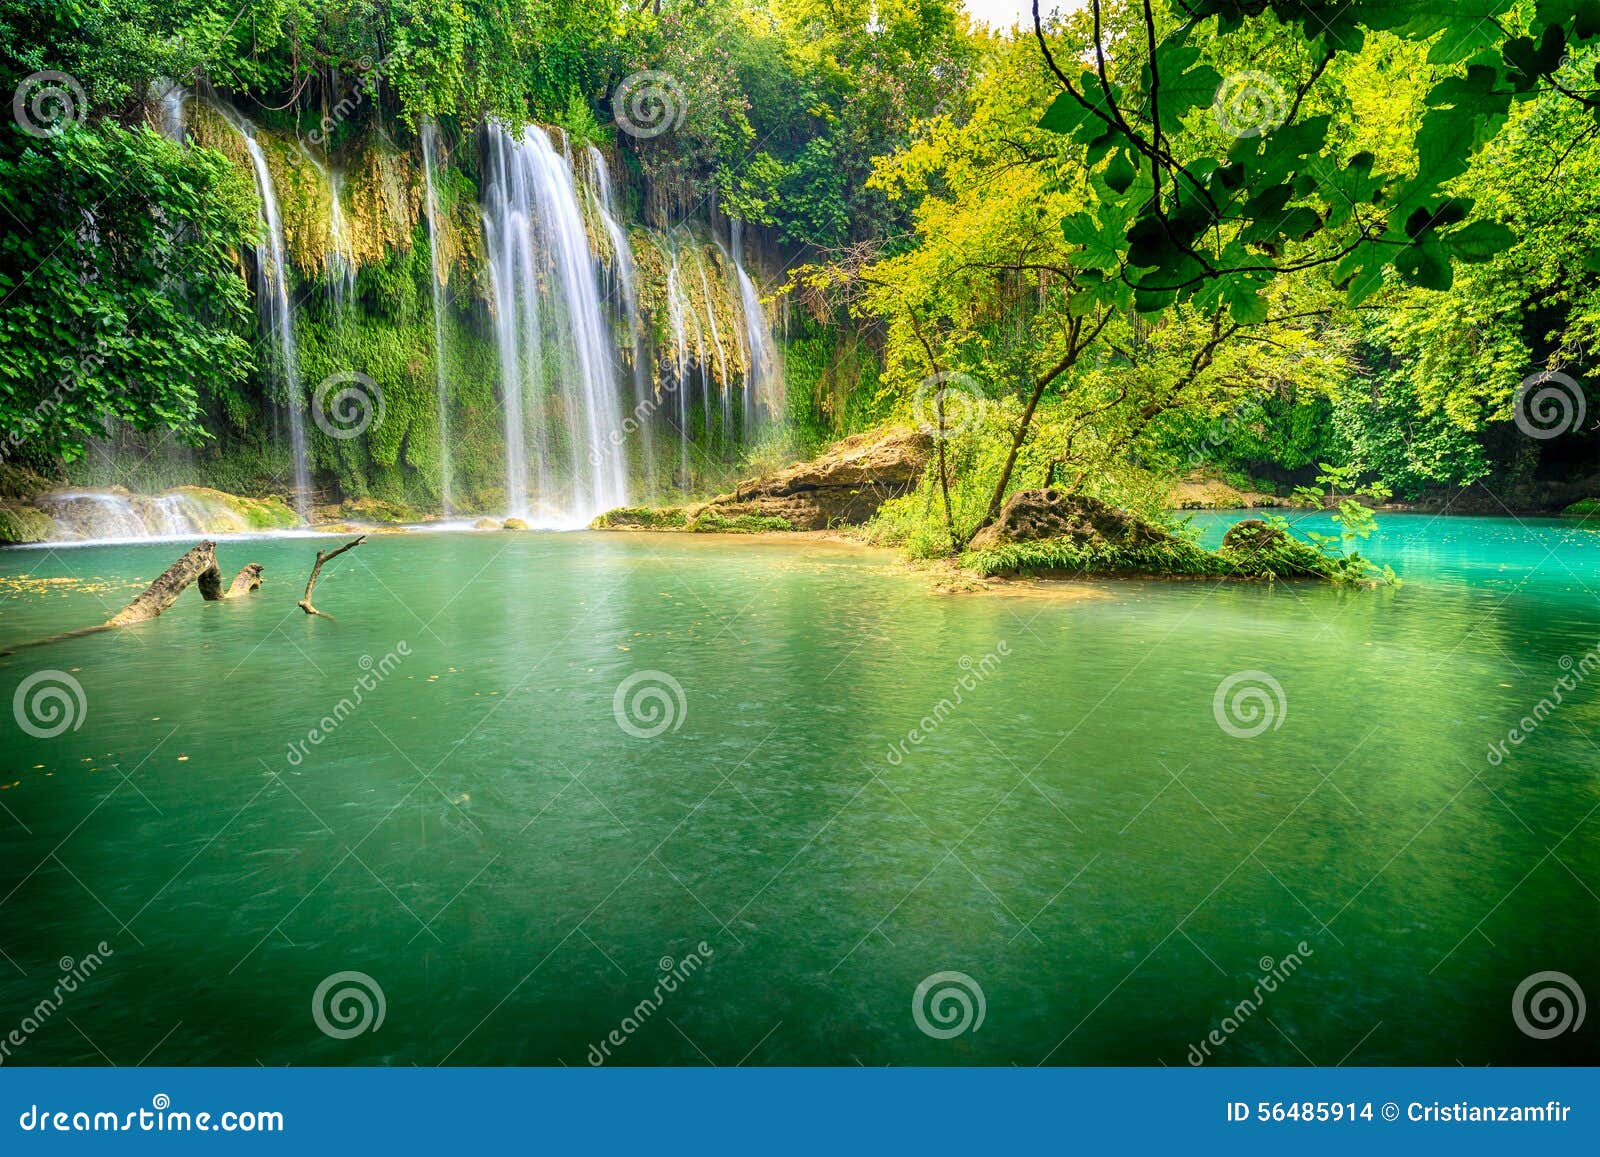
point(1078, 835)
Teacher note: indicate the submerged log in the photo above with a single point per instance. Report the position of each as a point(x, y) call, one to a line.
point(305, 604)
point(245, 581)
point(198, 565)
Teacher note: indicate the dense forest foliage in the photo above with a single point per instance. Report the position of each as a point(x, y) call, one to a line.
point(1277, 241)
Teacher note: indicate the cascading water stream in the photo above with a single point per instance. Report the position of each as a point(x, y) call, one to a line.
point(341, 263)
point(622, 267)
point(547, 301)
point(272, 296)
point(677, 305)
point(716, 341)
point(763, 379)
point(170, 99)
point(429, 148)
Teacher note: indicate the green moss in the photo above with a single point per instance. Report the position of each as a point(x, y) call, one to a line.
point(642, 518)
point(1583, 508)
point(378, 510)
point(1252, 550)
point(23, 524)
point(710, 522)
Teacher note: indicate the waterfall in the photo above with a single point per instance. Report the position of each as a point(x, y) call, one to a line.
point(272, 297)
point(429, 144)
point(622, 269)
point(88, 515)
point(547, 301)
point(716, 341)
point(677, 305)
point(341, 263)
point(170, 100)
point(763, 379)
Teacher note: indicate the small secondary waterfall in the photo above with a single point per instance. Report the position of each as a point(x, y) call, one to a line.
point(722, 357)
point(170, 100)
point(677, 306)
point(622, 269)
point(429, 148)
point(94, 515)
point(341, 256)
point(272, 296)
point(763, 379)
point(547, 305)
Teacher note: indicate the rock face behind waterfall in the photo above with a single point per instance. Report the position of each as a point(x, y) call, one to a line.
point(843, 487)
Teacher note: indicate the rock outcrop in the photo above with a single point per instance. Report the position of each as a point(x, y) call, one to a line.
point(843, 487)
point(1032, 515)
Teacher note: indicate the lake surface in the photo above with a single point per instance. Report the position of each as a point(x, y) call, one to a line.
point(863, 785)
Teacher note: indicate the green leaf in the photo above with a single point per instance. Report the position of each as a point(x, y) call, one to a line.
point(1426, 264)
point(1480, 241)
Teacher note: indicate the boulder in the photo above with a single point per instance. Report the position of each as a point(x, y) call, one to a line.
point(1032, 515)
point(843, 487)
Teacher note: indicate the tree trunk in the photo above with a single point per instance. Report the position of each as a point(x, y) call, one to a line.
point(198, 565)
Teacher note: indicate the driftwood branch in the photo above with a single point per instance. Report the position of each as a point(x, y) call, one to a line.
point(197, 566)
point(323, 557)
